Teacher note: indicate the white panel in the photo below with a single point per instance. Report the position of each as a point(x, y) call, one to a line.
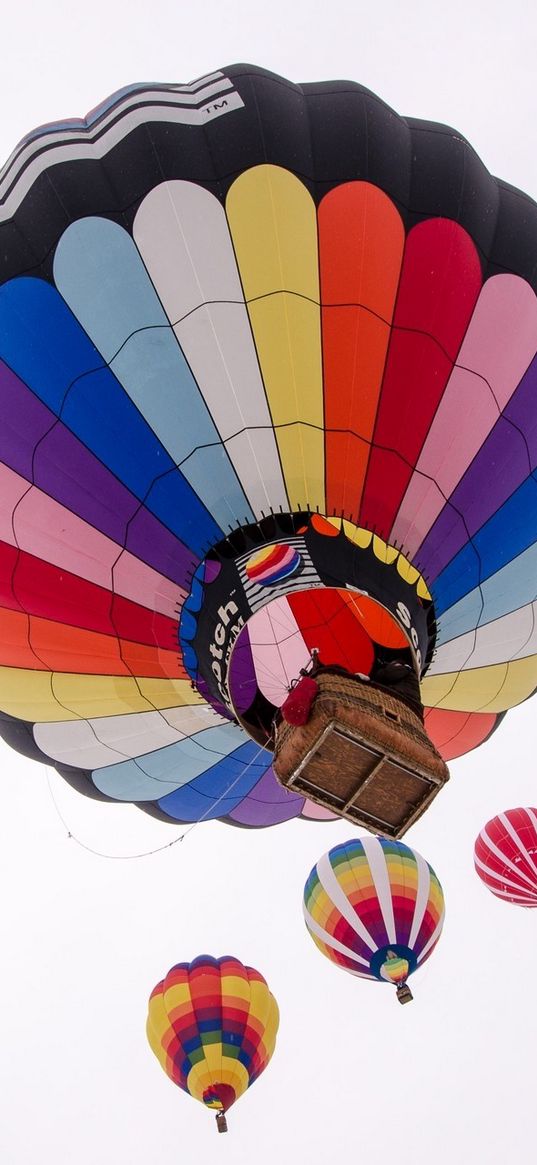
point(332, 887)
point(514, 636)
point(182, 234)
point(334, 943)
point(92, 744)
point(377, 864)
point(422, 898)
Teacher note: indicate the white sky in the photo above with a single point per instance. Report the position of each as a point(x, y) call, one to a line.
point(354, 1075)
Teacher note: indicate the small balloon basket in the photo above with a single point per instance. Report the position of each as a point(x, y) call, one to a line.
point(404, 993)
point(363, 753)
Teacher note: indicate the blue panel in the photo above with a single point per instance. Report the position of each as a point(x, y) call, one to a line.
point(44, 344)
point(206, 797)
point(100, 274)
point(508, 590)
point(144, 778)
point(508, 534)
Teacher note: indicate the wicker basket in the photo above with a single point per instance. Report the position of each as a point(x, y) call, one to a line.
point(364, 754)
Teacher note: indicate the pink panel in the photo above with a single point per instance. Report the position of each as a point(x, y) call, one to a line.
point(278, 649)
point(34, 522)
point(499, 345)
point(315, 812)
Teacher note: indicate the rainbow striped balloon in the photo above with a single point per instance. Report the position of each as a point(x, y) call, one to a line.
point(505, 856)
point(240, 321)
point(375, 908)
point(212, 1025)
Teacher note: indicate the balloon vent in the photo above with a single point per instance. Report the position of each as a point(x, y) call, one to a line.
point(364, 754)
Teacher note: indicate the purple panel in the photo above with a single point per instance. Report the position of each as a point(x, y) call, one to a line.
point(156, 545)
point(504, 461)
point(23, 422)
point(267, 804)
point(42, 450)
point(67, 471)
point(241, 676)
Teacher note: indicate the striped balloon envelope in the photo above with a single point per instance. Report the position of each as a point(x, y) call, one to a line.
point(212, 1025)
point(260, 346)
point(505, 856)
point(375, 908)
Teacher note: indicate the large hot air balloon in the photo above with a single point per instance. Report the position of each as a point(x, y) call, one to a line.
point(375, 908)
point(260, 346)
point(212, 1025)
point(505, 856)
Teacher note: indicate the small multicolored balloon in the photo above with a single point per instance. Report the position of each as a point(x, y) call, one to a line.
point(375, 907)
point(505, 856)
point(212, 1025)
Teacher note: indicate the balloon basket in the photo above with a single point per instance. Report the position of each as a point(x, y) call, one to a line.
point(221, 1122)
point(364, 754)
point(404, 993)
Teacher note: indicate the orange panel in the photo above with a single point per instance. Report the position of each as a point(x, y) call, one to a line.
point(377, 621)
point(361, 239)
point(15, 650)
point(151, 661)
point(43, 645)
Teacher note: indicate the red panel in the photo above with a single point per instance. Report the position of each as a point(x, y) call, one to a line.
point(455, 733)
point(327, 622)
point(39, 588)
point(440, 282)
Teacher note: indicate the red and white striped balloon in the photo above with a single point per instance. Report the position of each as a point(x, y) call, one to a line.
point(505, 856)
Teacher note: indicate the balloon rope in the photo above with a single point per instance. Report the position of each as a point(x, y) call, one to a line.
point(167, 845)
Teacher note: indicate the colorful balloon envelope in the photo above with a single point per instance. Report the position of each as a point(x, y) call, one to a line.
point(375, 908)
point(260, 346)
point(505, 856)
point(212, 1025)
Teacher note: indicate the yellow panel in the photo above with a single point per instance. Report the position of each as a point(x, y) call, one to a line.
point(407, 571)
point(176, 996)
point(486, 689)
point(199, 1079)
point(265, 1009)
point(357, 534)
point(162, 693)
point(53, 696)
point(234, 1073)
point(156, 1028)
point(423, 590)
point(384, 552)
point(273, 223)
point(213, 1057)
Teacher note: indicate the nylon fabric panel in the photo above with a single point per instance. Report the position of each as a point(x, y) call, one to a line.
point(506, 536)
point(104, 741)
point(440, 282)
point(361, 239)
point(220, 789)
point(274, 231)
point(454, 733)
point(182, 228)
point(491, 689)
point(498, 347)
point(46, 347)
point(152, 775)
point(115, 301)
point(52, 696)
